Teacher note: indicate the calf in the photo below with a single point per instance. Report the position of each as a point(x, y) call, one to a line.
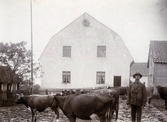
point(113, 93)
point(83, 106)
point(38, 103)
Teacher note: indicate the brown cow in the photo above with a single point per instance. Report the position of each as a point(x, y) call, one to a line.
point(38, 103)
point(83, 106)
point(113, 93)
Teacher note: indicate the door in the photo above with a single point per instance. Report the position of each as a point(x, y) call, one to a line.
point(117, 81)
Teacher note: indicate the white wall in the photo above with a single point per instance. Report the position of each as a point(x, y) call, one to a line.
point(84, 63)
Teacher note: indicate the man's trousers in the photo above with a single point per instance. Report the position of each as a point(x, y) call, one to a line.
point(136, 111)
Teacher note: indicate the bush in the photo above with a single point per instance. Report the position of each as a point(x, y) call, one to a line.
point(36, 89)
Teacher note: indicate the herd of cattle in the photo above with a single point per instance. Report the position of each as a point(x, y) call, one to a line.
point(84, 105)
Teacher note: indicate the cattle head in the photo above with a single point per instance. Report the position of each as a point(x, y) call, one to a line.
point(55, 98)
point(66, 92)
point(20, 99)
point(159, 88)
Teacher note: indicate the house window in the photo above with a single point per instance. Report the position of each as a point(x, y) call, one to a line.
point(66, 51)
point(101, 51)
point(66, 77)
point(100, 78)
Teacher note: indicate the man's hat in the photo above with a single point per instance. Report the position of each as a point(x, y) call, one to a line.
point(137, 74)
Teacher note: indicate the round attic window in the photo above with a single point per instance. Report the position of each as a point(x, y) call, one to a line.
point(86, 23)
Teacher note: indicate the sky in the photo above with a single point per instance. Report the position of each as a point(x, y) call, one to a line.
point(136, 21)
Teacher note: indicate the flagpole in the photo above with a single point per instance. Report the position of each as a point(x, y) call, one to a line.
point(31, 45)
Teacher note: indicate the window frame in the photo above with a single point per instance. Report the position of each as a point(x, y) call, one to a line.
point(101, 51)
point(100, 74)
point(66, 75)
point(66, 51)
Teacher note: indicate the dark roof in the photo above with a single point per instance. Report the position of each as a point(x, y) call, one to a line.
point(159, 50)
point(139, 67)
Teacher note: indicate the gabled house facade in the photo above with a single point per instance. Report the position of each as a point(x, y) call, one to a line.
point(85, 54)
point(142, 68)
point(157, 64)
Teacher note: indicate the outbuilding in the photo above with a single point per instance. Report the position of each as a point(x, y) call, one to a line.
point(157, 64)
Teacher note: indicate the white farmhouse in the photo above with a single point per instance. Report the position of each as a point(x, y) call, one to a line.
point(85, 54)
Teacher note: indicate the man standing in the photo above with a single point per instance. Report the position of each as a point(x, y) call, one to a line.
point(136, 97)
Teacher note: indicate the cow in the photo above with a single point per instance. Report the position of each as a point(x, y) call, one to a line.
point(113, 93)
point(66, 92)
point(37, 103)
point(123, 90)
point(163, 93)
point(84, 106)
point(71, 91)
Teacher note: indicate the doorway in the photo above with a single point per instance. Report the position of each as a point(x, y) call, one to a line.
point(117, 81)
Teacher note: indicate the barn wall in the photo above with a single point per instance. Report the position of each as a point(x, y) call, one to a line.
point(159, 77)
point(161, 74)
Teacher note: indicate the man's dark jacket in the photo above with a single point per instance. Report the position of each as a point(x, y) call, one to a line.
point(137, 94)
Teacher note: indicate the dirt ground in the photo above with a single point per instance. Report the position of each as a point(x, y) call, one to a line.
point(159, 104)
point(20, 113)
